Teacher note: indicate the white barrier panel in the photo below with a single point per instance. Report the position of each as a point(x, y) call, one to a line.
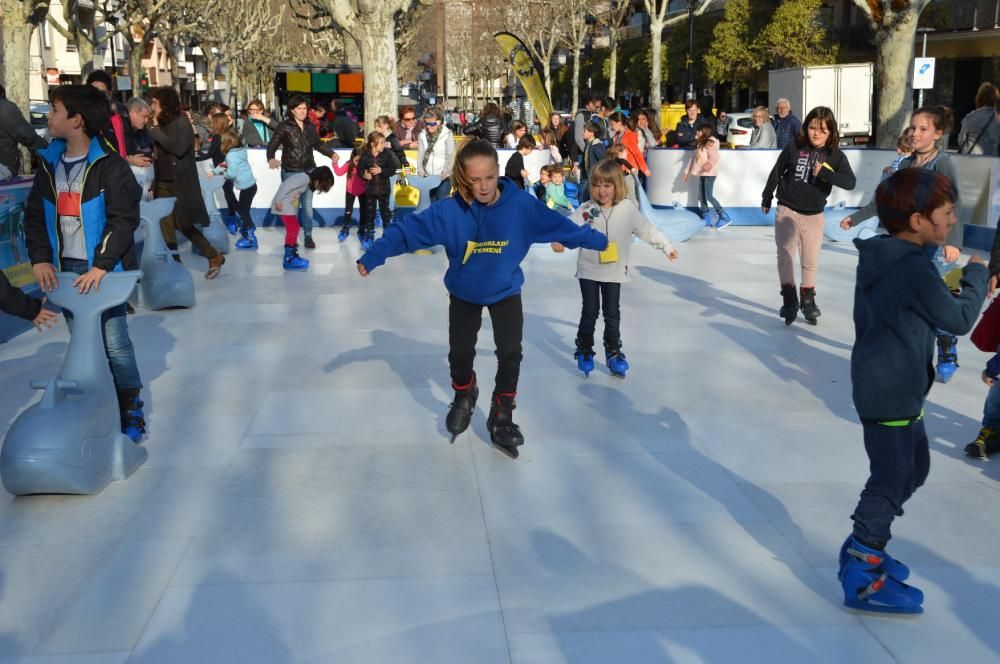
point(742, 175)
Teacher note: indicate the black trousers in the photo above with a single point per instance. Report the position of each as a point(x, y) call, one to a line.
point(899, 461)
point(464, 321)
point(231, 203)
point(349, 199)
point(598, 295)
point(368, 213)
point(245, 203)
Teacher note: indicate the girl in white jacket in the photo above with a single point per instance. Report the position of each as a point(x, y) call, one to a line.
point(602, 273)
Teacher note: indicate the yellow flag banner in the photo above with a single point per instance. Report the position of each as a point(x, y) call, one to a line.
point(527, 72)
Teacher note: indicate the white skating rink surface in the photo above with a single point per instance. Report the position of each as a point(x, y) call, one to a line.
point(301, 502)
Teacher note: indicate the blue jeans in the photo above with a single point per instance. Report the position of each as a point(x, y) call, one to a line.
point(598, 296)
point(706, 194)
point(899, 460)
point(305, 205)
point(991, 409)
point(117, 343)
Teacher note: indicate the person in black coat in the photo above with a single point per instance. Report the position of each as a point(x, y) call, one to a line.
point(177, 176)
point(342, 126)
point(16, 302)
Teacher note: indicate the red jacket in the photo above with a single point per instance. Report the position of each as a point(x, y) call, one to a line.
point(630, 141)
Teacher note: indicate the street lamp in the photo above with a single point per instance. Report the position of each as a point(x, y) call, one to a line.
point(690, 94)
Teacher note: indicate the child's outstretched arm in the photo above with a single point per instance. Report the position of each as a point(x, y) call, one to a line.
point(646, 231)
point(416, 231)
point(549, 226)
point(934, 302)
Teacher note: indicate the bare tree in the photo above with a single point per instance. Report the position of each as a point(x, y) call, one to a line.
point(658, 20)
point(611, 13)
point(372, 25)
point(534, 21)
point(575, 15)
point(76, 31)
point(18, 18)
point(895, 24)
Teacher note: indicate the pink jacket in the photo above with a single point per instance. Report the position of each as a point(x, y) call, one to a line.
point(355, 184)
point(705, 161)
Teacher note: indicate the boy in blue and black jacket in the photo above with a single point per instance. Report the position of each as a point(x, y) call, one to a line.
point(82, 212)
point(899, 303)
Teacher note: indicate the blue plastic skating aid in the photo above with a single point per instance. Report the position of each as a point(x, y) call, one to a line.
point(832, 216)
point(165, 283)
point(677, 222)
point(71, 441)
point(215, 232)
point(869, 587)
point(893, 567)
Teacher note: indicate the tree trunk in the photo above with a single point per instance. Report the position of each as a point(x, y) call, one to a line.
point(547, 72)
point(85, 53)
point(378, 56)
point(613, 74)
point(135, 64)
point(655, 75)
point(894, 80)
point(16, 54)
point(576, 80)
point(211, 63)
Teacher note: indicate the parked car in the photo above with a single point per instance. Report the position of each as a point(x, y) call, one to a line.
point(39, 111)
point(740, 128)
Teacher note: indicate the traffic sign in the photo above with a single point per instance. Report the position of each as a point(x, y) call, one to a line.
point(923, 73)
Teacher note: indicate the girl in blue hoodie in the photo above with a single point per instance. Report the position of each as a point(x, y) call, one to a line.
point(236, 168)
point(899, 302)
point(486, 228)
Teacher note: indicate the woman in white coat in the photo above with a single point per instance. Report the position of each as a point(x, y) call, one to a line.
point(436, 151)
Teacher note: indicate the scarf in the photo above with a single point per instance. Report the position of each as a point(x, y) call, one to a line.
point(431, 140)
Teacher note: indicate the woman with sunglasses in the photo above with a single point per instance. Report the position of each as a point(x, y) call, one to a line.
point(436, 151)
point(408, 128)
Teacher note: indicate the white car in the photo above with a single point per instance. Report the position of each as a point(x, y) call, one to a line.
point(740, 128)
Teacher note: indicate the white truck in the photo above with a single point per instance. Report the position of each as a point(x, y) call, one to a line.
point(847, 89)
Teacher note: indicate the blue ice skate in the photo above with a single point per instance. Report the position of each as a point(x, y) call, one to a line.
point(869, 587)
point(344, 233)
point(724, 221)
point(584, 358)
point(706, 216)
point(367, 242)
point(892, 567)
point(293, 261)
point(617, 363)
point(135, 420)
point(248, 241)
point(947, 363)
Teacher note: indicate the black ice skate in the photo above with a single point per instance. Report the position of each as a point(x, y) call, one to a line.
point(460, 410)
point(809, 309)
point(503, 432)
point(790, 303)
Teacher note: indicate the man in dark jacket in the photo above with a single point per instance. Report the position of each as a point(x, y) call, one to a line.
point(786, 125)
point(14, 130)
point(296, 138)
point(343, 127)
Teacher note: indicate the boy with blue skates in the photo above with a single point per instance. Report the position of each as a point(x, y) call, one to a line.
point(487, 228)
point(899, 302)
point(82, 212)
point(602, 273)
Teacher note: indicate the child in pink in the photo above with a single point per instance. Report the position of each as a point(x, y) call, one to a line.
point(705, 164)
point(355, 191)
